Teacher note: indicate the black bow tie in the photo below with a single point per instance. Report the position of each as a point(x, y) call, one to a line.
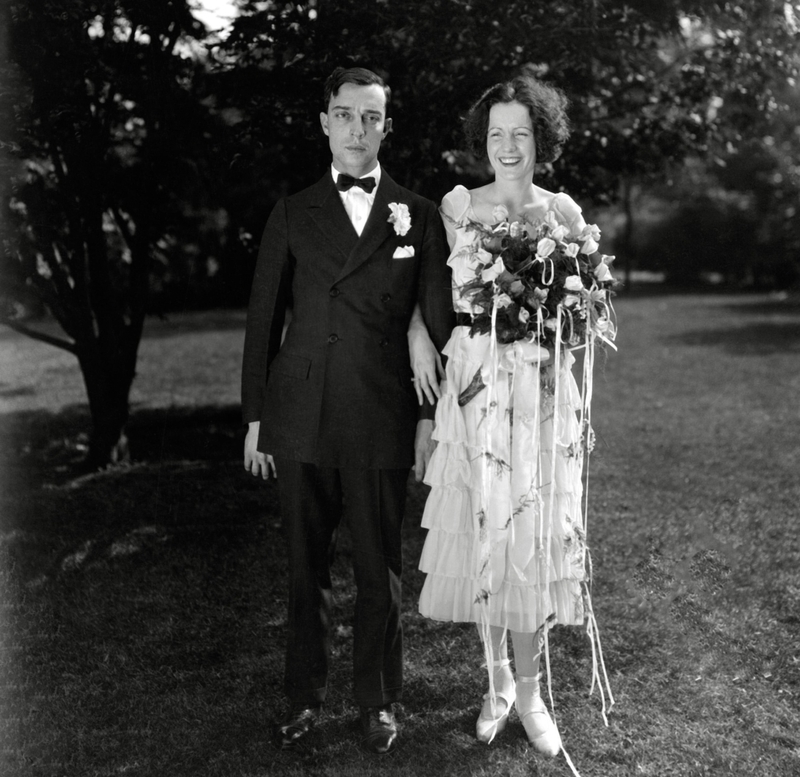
point(345, 182)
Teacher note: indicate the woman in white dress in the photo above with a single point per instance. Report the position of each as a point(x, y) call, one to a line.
point(506, 547)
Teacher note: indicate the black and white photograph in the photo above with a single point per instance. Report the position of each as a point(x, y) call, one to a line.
point(399, 387)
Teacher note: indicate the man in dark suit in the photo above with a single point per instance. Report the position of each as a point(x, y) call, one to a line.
point(331, 408)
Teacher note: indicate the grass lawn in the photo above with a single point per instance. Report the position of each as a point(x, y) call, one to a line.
point(142, 609)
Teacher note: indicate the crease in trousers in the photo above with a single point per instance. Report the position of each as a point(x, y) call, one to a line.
point(314, 502)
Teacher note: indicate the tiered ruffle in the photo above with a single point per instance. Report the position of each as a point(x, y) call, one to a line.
point(498, 531)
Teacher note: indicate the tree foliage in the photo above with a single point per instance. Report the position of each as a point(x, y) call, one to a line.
point(107, 167)
point(650, 82)
point(132, 153)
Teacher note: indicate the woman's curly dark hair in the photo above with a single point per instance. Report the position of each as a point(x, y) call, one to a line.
point(547, 106)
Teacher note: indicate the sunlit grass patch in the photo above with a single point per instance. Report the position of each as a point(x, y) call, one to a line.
point(142, 617)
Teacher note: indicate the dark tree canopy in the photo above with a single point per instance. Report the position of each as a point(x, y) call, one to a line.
point(108, 155)
point(650, 82)
point(140, 157)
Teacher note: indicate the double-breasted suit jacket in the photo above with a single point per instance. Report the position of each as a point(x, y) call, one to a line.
point(337, 391)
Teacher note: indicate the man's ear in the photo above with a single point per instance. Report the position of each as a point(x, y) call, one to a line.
point(323, 120)
point(387, 127)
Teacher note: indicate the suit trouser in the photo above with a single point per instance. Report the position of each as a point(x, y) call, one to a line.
point(313, 502)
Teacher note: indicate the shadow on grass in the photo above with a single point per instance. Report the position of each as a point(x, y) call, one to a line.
point(765, 326)
point(41, 447)
point(144, 618)
point(174, 324)
point(762, 339)
point(146, 604)
point(761, 306)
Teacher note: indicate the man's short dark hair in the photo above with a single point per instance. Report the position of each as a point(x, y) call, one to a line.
point(353, 75)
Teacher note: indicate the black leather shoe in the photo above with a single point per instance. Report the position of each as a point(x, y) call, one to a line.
point(379, 729)
point(297, 723)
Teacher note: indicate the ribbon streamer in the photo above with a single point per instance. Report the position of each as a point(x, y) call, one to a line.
point(505, 363)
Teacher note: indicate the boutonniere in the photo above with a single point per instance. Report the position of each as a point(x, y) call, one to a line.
point(400, 217)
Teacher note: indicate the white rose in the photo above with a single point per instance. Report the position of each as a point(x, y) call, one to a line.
point(602, 325)
point(500, 213)
point(400, 217)
point(589, 246)
point(573, 283)
point(602, 273)
point(490, 273)
point(590, 231)
point(545, 247)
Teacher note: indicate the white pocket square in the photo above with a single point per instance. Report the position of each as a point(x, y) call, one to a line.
point(403, 252)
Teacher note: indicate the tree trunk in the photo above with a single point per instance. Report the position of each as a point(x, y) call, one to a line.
point(109, 342)
point(108, 384)
point(627, 234)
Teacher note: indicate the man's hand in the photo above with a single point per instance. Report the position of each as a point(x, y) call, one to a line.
point(255, 462)
point(424, 446)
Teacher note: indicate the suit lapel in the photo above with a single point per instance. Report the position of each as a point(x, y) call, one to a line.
point(327, 211)
point(377, 229)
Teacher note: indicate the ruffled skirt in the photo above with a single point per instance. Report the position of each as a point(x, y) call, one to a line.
point(506, 538)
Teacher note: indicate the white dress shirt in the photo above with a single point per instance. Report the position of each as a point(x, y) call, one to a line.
point(356, 201)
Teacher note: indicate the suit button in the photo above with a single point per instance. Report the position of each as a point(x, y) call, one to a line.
point(386, 297)
point(333, 339)
point(334, 292)
point(384, 343)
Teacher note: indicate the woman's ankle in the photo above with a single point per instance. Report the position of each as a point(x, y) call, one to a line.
point(503, 679)
point(527, 691)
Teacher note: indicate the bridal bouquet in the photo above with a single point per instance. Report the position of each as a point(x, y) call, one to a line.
point(536, 282)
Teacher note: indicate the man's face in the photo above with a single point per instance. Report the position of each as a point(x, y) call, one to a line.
point(356, 124)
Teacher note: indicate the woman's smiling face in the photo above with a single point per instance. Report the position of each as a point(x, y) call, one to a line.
point(510, 144)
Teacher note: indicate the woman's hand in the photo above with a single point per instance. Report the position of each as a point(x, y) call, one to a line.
point(426, 364)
